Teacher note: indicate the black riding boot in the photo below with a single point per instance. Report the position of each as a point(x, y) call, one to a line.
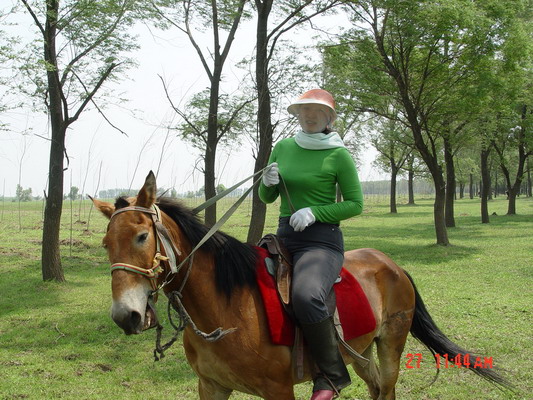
point(321, 338)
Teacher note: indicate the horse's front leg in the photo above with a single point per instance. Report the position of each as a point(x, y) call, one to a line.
point(210, 390)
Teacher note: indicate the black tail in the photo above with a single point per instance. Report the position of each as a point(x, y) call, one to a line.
point(426, 331)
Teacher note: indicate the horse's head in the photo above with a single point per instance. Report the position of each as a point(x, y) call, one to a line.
point(131, 246)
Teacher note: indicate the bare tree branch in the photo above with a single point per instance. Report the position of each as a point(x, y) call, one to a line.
point(35, 19)
point(197, 131)
point(98, 108)
point(90, 95)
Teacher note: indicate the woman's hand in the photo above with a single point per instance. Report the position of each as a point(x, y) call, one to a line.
point(301, 219)
point(271, 176)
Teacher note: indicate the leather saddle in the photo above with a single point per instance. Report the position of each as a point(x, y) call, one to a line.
point(279, 266)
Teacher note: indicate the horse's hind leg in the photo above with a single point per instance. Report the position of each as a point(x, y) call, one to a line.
point(389, 348)
point(370, 373)
point(209, 390)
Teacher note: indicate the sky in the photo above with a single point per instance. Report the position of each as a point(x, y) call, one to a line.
point(100, 157)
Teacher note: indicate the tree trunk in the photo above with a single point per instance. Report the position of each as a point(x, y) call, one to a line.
point(394, 173)
point(471, 186)
point(50, 254)
point(212, 142)
point(440, 189)
point(435, 169)
point(495, 180)
point(213, 137)
point(450, 184)
point(461, 190)
point(257, 220)
point(522, 157)
point(209, 185)
point(438, 215)
point(410, 183)
point(485, 185)
point(528, 189)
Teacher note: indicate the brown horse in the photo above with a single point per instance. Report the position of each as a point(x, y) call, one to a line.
point(217, 289)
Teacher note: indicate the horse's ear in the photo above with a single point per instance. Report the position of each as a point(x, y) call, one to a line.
point(147, 194)
point(104, 207)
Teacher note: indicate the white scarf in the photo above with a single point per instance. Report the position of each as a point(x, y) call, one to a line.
point(318, 141)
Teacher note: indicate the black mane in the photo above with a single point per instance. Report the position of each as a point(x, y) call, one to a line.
point(234, 261)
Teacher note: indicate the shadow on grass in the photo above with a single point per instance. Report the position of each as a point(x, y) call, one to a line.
point(24, 291)
point(494, 220)
point(406, 245)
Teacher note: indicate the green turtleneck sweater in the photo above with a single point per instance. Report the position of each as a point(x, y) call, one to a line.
point(311, 177)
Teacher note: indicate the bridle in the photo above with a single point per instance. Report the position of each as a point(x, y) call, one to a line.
point(162, 240)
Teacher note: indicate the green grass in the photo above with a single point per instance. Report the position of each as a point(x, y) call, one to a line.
point(58, 342)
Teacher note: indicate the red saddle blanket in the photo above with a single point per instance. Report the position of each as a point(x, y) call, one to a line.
point(355, 313)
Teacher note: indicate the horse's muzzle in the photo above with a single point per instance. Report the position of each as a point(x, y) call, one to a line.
point(134, 312)
point(132, 322)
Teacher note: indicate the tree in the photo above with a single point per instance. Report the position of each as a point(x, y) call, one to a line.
point(222, 19)
point(511, 100)
point(23, 194)
point(73, 194)
point(6, 55)
point(83, 43)
point(220, 188)
point(393, 151)
point(521, 138)
point(286, 15)
point(413, 166)
point(467, 167)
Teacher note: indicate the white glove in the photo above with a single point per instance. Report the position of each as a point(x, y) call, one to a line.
point(301, 219)
point(271, 176)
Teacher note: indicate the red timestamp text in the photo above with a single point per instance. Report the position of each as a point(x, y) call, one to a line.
point(451, 361)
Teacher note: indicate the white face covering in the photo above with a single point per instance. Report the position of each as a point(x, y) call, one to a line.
point(313, 118)
point(318, 141)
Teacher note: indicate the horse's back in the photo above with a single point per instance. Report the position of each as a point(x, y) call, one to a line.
point(386, 286)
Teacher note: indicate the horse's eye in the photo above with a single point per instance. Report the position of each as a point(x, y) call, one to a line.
point(142, 237)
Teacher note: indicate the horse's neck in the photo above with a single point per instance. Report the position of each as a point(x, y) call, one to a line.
point(200, 298)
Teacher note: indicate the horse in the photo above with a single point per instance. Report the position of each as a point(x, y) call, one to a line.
point(218, 289)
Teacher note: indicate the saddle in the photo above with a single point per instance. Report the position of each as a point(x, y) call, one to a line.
point(280, 266)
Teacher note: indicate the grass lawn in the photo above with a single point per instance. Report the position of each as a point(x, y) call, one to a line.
point(57, 341)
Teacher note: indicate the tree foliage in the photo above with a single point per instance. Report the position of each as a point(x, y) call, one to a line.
point(92, 42)
point(22, 194)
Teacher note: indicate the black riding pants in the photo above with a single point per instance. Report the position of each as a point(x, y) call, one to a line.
point(318, 255)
